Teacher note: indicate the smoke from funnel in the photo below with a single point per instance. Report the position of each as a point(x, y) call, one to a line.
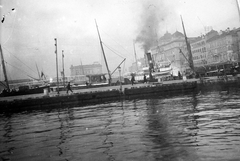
point(153, 13)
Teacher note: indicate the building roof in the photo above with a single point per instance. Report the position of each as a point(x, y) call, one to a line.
point(87, 66)
point(166, 36)
point(177, 34)
point(223, 34)
point(196, 40)
point(211, 32)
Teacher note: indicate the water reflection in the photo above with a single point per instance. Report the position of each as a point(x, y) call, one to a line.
point(107, 132)
point(203, 126)
point(7, 138)
point(64, 118)
point(168, 129)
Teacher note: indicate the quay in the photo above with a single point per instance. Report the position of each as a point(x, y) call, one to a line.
point(92, 95)
point(85, 96)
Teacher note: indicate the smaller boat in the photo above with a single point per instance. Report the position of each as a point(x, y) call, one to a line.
point(24, 90)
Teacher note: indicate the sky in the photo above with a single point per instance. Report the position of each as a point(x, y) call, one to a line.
point(30, 27)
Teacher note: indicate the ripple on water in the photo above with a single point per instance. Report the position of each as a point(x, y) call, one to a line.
point(189, 127)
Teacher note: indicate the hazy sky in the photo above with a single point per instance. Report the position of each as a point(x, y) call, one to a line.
point(28, 32)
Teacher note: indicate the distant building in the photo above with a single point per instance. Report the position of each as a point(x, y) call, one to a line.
point(168, 50)
point(201, 58)
point(88, 69)
point(199, 52)
point(223, 48)
point(212, 51)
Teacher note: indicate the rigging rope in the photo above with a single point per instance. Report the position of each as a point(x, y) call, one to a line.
point(116, 42)
point(17, 68)
point(113, 51)
point(124, 66)
point(13, 10)
point(20, 60)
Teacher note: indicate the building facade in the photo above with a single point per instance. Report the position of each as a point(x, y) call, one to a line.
point(199, 52)
point(212, 51)
point(223, 48)
point(94, 68)
point(172, 48)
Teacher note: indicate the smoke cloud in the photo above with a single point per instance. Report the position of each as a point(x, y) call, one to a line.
point(153, 15)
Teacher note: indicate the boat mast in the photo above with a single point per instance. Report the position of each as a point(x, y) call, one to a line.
point(38, 71)
point(4, 69)
point(188, 49)
point(63, 73)
point(237, 1)
point(82, 68)
point(135, 54)
point(110, 79)
point(56, 64)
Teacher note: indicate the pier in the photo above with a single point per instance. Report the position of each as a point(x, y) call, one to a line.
point(96, 95)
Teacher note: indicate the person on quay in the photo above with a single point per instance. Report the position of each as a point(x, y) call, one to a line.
point(144, 79)
point(69, 87)
point(132, 79)
point(87, 83)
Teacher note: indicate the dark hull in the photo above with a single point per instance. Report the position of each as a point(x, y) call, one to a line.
point(24, 92)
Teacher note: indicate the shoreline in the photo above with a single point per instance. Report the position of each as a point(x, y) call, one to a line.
point(97, 95)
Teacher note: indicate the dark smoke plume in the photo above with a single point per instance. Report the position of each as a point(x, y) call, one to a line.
point(153, 13)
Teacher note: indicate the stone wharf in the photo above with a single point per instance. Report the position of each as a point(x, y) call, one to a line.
point(81, 99)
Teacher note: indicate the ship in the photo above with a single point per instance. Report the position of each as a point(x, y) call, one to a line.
point(22, 89)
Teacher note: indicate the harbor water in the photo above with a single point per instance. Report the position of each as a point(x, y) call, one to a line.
point(193, 127)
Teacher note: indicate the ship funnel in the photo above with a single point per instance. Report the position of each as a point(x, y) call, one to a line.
point(150, 61)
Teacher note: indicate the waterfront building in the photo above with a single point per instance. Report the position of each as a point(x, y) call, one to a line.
point(168, 50)
point(94, 68)
point(209, 51)
point(199, 52)
point(222, 50)
point(238, 33)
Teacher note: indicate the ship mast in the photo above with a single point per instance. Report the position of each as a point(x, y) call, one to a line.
point(190, 60)
point(39, 77)
point(63, 73)
point(237, 1)
point(135, 55)
point(109, 74)
point(4, 69)
point(82, 67)
point(56, 64)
